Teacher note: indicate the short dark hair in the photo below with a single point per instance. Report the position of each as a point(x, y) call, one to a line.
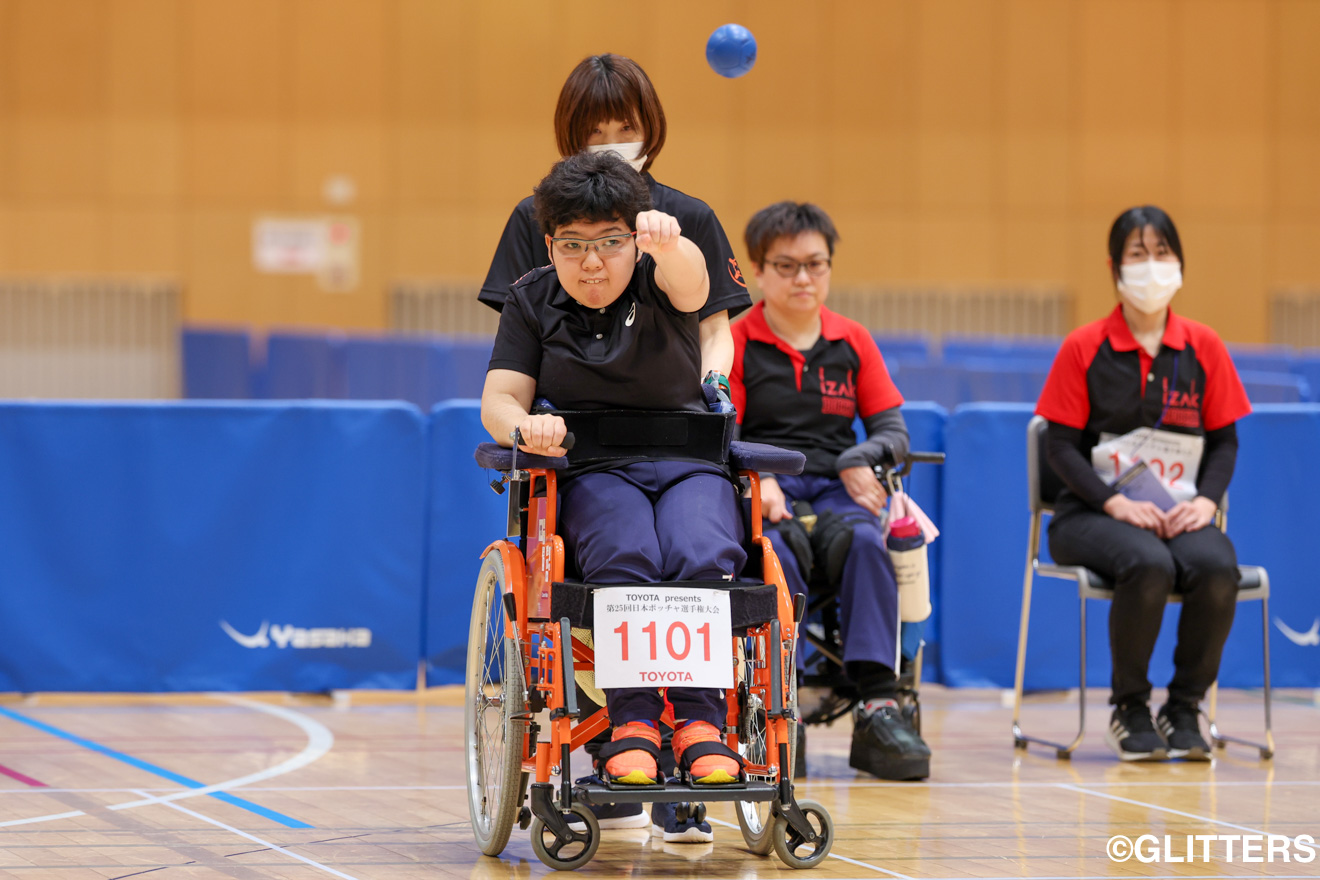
point(1140, 218)
point(594, 187)
point(789, 219)
point(603, 88)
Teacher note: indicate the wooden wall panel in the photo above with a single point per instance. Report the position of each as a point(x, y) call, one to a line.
point(958, 141)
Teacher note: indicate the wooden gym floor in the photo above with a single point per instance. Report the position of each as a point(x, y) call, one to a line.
point(370, 786)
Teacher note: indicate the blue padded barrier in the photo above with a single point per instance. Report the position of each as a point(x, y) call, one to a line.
point(465, 374)
point(903, 350)
point(1275, 387)
point(466, 516)
point(300, 367)
point(188, 547)
point(985, 525)
point(1273, 521)
point(395, 369)
point(1003, 381)
point(1037, 349)
point(216, 364)
point(1307, 365)
point(1262, 358)
point(935, 383)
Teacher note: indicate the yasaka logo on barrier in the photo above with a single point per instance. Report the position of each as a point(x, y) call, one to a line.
point(285, 636)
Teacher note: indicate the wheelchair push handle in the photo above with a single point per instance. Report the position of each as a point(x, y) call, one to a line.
point(901, 468)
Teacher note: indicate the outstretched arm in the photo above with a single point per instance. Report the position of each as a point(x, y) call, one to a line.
point(680, 268)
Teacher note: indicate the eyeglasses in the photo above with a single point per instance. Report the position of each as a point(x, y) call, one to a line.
point(790, 268)
point(577, 248)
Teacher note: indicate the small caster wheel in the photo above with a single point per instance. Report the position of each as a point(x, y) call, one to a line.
point(1266, 754)
point(574, 852)
point(699, 813)
point(1063, 755)
point(1019, 743)
point(524, 818)
point(795, 850)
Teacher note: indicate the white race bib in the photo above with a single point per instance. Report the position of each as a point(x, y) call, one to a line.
point(1174, 458)
point(659, 636)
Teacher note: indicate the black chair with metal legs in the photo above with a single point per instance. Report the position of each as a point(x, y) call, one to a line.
point(1043, 486)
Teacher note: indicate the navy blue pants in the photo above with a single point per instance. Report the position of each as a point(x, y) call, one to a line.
point(651, 522)
point(868, 597)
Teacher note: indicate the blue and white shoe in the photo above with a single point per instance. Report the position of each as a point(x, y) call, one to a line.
point(612, 816)
point(665, 824)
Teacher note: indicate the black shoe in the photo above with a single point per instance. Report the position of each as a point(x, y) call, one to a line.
point(885, 745)
point(1181, 725)
point(1132, 735)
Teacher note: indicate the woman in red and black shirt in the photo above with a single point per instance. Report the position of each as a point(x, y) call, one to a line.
point(1147, 387)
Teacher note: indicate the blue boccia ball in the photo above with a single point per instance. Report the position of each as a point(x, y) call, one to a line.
point(731, 50)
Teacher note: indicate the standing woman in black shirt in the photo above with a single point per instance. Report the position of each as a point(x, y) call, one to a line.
point(1147, 385)
point(608, 103)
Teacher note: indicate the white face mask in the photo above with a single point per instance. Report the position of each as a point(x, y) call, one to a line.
point(1149, 286)
point(630, 153)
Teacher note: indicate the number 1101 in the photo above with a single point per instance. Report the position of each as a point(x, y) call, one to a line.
point(677, 627)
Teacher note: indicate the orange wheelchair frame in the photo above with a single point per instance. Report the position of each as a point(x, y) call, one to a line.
point(521, 670)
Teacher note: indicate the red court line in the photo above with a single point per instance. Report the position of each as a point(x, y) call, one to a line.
point(26, 780)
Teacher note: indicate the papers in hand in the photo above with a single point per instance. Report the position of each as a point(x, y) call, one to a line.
point(1139, 483)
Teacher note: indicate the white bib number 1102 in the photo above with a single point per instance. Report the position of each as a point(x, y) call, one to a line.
point(657, 636)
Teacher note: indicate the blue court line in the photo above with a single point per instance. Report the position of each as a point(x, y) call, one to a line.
point(152, 768)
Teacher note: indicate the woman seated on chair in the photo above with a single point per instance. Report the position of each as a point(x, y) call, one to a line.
point(1148, 400)
point(801, 375)
point(613, 323)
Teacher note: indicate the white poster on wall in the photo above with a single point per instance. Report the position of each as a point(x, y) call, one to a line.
point(325, 247)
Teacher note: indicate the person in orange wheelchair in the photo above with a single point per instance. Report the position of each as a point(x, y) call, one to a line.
point(613, 324)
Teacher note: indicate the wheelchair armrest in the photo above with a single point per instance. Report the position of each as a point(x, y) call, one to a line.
point(763, 458)
point(500, 458)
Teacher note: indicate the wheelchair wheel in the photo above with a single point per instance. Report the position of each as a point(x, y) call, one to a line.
point(755, 819)
point(493, 737)
point(570, 854)
point(798, 852)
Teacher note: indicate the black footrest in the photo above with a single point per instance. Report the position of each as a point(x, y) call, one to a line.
point(673, 792)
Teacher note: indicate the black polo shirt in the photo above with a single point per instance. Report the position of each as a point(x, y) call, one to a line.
point(807, 400)
point(522, 248)
point(637, 353)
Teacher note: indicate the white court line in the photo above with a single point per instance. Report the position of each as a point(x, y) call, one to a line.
point(862, 783)
point(37, 819)
point(819, 783)
point(833, 855)
point(252, 837)
point(1114, 797)
point(319, 741)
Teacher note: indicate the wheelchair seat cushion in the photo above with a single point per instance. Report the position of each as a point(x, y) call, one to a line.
point(499, 458)
point(764, 458)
